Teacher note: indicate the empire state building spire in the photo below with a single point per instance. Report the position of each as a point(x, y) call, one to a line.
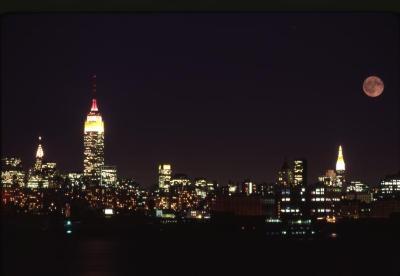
point(94, 106)
point(93, 139)
point(340, 165)
point(94, 101)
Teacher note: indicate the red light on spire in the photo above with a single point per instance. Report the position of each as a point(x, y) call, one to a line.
point(94, 85)
point(94, 102)
point(94, 105)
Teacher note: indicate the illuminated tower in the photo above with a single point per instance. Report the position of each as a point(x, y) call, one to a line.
point(300, 172)
point(39, 156)
point(93, 140)
point(35, 176)
point(285, 175)
point(164, 176)
point(340, 167)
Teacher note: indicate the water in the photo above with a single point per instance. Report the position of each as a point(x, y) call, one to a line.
point(189, 252)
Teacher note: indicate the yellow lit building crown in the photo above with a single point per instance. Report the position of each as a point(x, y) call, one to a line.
point(340, 165)
point(94, 122)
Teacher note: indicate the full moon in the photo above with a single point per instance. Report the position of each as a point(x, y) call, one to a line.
point(373, 86)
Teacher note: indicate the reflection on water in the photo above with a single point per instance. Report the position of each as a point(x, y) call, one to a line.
point(149, 254)
point(96, 257)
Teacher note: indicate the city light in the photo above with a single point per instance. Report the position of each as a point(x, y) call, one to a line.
point(108, 211)
point(290, 202)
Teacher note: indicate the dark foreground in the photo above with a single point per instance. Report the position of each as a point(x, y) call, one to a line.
point(97, 249)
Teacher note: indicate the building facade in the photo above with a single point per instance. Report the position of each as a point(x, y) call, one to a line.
point(108, 176)
point(300, 172)
point(389, 187)
point(249, 187)
point(164, 176)
point(12, 172)
point(324, 200)
point(285, 175)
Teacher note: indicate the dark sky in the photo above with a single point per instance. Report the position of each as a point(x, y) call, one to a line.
point(225, 96)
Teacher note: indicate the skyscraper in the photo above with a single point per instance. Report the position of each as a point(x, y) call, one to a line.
point(93, 140)
point(201, 187)
point(285, 174)
point(39, 156)
point(35, 179)
point(340, 165)
point(300, 172)
point(109, 176)
point(290, 190)
point(249, 187)
point(340, 168)
point(164, 176)
point(50, 173)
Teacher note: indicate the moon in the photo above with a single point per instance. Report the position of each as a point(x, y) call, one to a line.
point(373, 86)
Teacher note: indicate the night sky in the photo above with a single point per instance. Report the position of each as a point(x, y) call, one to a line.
point(224, 96)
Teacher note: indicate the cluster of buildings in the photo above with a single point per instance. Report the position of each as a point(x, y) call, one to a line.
point(178, 195)
point(97, 185)
point(291, 198)
point(333, 196)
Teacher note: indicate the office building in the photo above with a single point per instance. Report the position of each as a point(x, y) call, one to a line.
point(93, 144)
point(329, 178)
point(389, 187)
point(201, 187)
point(324, 200)
point(291, 202)
point(249, 187)
point(340, 169)
point(35, 175)
point(75, 179)
point(285, 175)
point(300, 172)
point(180, 180)
point(49, 174)
point(12, 172)
point(108, 176)
point(164, 176)
point(357, 186)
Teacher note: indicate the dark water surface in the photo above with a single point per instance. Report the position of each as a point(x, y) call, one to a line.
point(145, 252)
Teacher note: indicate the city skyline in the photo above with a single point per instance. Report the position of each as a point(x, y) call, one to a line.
point(300, 172)
point(200, 126)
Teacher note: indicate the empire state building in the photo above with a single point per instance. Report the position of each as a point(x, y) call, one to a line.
point(93, 140)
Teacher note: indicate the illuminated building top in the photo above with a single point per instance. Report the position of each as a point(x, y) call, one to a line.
point(164, 178)
point(94, 122)
point(340, 166)
point(94, 106)
point(39, 152)
point(39, 156)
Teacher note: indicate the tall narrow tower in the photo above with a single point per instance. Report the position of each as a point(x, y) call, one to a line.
point(340, 168)
point(93, 140)
point(35, 176)
point(300, 172)
point(164, 176)
point(285, 175)
point(39, 156)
